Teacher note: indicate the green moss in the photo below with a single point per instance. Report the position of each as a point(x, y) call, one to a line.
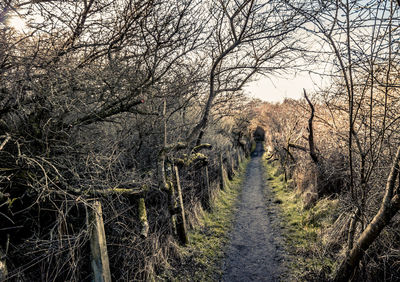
point(201, 146)
point(188, 160)
point(142, 210)
point(203, 257)
point(303, 228)
point(10, 202)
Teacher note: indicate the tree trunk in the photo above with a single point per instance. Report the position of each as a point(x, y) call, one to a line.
point(389, 207)
point(381, 219)
point(352, 228)
point(311, 144)
point(98, 245)
point(162, 179)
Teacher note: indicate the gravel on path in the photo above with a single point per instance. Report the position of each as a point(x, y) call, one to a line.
point(256, 249)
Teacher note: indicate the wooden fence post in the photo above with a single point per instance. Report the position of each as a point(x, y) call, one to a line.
point(144, 230)
point(221, 172)
point(180, 218)
point(232, 164)
point(206, 184)
point(172, 205)
point(242, 154)
point(98, 245)
point(229, 170)
point(239, 159)
point(3, 266)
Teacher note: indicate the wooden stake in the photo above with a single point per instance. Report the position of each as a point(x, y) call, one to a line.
point(239, 160)
point(232, 164)
point(144, 231)
point(180, 217)
point(207, 195)
point(98, 245)
point(221, 172)
point(229, 170)
point(172, 206)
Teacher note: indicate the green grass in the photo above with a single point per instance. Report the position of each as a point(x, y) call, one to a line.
point(203, 256)
point(304, 228)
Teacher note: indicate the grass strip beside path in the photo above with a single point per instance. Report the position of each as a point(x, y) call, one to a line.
point(203, 257)
point(305, 230)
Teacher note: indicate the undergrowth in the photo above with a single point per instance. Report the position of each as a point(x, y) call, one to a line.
point(202, 258)
point(304, 229)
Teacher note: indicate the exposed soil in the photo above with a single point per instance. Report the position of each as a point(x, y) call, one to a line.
point(256, 248)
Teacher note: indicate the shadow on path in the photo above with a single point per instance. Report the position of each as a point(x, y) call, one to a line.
point(255, 252)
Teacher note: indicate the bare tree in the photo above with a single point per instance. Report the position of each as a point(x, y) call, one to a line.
point(359, 40)
point(249, 38)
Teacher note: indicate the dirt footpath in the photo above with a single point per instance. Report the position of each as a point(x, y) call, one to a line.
point(256, 250)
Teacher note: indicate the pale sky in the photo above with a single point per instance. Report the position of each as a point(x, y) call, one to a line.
point(277, 89)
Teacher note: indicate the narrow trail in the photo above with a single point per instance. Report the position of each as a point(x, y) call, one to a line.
point(256, 249)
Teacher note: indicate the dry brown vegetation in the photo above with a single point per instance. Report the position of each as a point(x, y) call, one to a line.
point(102, 100)
point(287, 133)
point(105, 99)
point(344, 143)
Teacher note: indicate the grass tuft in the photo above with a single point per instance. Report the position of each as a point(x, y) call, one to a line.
point(303, 228)
point(202, 258)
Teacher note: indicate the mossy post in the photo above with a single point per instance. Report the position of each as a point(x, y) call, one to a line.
point(180, 217)
point(229, 170)
point(172, 206)
point(206, 200)
point(232, 164)
point(221, 172)
point(98, 245)
point(3, 266)
point(238, 158)
point(144, 224)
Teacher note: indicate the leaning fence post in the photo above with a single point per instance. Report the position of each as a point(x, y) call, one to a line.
point(229, 170)
point(144, 230)
point(207, 194)
point(98, 245)
point(172, 204)
point(242, 154)
point(221, 172)
point(232, 164)
point(180, 218)
point(239, 160)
